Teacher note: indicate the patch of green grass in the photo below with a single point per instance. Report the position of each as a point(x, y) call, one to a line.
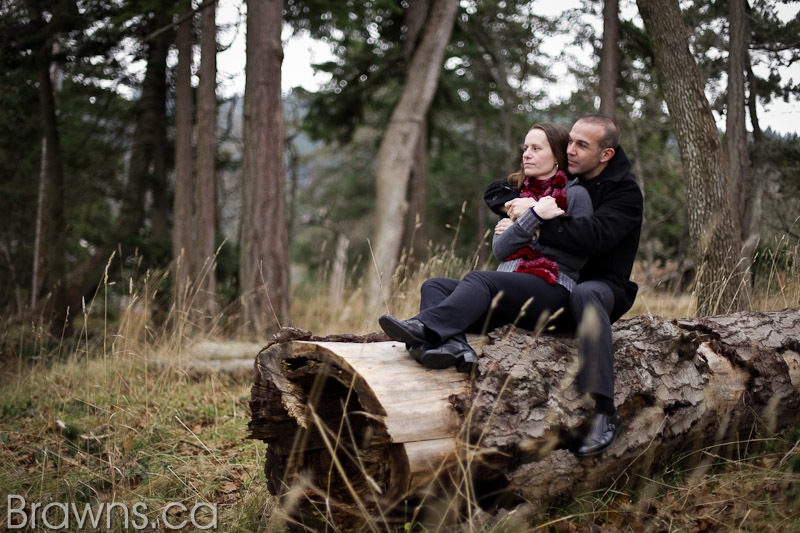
point(110, 430)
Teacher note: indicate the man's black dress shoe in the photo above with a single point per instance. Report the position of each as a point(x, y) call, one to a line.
point(452, 352)
point(412, 332)
point(604, 431)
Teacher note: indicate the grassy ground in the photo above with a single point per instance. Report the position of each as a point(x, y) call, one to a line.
point(97, 421)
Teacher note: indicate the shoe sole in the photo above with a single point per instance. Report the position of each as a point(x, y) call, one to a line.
point(463, 361)
point(437, 361)
point(397, 333)
point(462, 365)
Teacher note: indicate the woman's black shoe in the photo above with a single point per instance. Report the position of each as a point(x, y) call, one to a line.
point(412, 332)
point(451, 353)
point(604, 431)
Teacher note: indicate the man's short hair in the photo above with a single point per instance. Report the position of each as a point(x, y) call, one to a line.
point(611, 137)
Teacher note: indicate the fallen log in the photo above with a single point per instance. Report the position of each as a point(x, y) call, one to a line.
point(363, 425)
point(357, 423)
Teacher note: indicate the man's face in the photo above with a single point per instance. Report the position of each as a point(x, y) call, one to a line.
point(584, 156)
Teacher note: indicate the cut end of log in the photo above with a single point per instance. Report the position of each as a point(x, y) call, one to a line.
point(352, 421)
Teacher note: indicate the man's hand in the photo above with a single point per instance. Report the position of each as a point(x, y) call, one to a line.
point(517, 207)
point(503, 225)
point(547, 208)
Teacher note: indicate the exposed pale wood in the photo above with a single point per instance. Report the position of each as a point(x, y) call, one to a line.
point(391, 418)
point(414, 398)
point(224, 350)
point(681, 385)
point(237, 369)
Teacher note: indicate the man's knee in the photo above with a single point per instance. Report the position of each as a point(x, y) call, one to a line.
point(591, 294)
point(432, 283)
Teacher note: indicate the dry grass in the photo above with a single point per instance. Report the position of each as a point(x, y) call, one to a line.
point(96, 420)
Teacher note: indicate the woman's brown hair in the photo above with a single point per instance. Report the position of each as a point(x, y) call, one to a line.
point(558, 138)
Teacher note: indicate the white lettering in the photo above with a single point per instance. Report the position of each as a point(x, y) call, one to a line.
point(18, 511)
point(34, 506)
point(203, 516)
point(210, 525)
point(87, 509)
point(137, 514)
point(164, 515)
point(64, 516)
point(110, 511)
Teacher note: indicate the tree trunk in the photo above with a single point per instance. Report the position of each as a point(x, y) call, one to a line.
point(751, 225)
point(55, 252)
point(203, 270)
point(415, 227)
point(37, 272)
point(396, 153)
point(394, 426)
point(609, 62)
point(736, 132)
point(183, 210)
point(338, 272)
point(264, 257)
point(715, 233)
point(415, 236)
point(484, 177)
point(146, 159)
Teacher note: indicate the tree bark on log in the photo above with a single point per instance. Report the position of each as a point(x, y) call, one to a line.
point(507, 432)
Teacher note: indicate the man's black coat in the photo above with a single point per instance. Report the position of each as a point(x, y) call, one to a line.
point(610, 237)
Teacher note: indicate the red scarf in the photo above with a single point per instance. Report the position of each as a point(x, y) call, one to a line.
point(531, 261)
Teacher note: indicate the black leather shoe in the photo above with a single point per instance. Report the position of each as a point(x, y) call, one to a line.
point(604, 431)
point(412, 332)
point(451, 353)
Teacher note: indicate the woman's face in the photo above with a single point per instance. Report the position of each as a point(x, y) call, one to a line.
point(538, 160)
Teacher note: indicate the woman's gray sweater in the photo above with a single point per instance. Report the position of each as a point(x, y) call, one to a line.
point(521, 233)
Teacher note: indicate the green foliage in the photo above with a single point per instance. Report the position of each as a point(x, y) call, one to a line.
point(86, 44)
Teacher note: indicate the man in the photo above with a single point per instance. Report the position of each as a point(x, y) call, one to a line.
point(610, 237)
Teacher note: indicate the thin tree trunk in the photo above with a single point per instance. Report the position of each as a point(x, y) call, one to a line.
point(736, 130)
point(415, 236)
point(147, 157)
point(182, 244)
point(264, 258)
point(55, 225)
point(395, 156)
point(37, 274)
point(609, 63)
point(338, 272)
point(415, 227)
point(496, 66)
point(483, 175)
point(38, 239)
point(751, 226)
point(715, 234)
point(203, 270)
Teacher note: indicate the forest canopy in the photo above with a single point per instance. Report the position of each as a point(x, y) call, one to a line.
point(100, 188)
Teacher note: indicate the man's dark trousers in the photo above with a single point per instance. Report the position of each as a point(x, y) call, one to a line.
point(596, 375)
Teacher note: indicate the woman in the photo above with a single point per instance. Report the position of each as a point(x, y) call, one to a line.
point(532, 280)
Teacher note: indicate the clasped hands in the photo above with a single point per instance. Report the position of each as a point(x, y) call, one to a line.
point(545, 207)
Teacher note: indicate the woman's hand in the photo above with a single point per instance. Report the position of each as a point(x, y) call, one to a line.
point(547, 208)
point(517, 207)
point(503, 225)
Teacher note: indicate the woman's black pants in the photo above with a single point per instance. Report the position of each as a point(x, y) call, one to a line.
point(451, 307)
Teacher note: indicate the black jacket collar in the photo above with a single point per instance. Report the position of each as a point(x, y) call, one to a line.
point(618, 167)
